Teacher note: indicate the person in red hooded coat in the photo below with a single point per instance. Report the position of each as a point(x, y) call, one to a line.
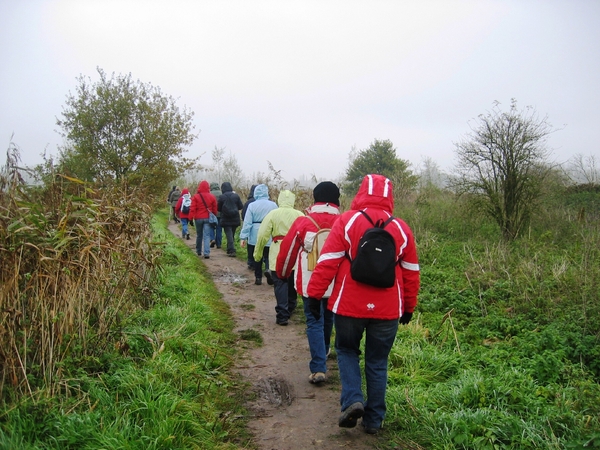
point(184, 217)
point(203, 202)
point(361, 309)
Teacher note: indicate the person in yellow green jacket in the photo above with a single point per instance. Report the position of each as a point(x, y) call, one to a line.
point(274, 227)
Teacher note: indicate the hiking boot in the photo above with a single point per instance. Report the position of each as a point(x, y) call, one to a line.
point(206, 256)
point(368, 429)
point(351, 414)
point(212, 243)
point(283, 323)
point(231, 255)
point(187, 236)
point(258, 281)
point(269, 278)
point(317, 377)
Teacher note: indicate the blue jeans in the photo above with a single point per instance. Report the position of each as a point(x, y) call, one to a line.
point(286, 296)
point(318, 333)
point(216, 234)
point(184, 227)
point(380, 335)
point(202, 236)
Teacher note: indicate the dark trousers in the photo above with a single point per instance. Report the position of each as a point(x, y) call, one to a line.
point(258, 264)
point(229, 235)
point(286, 296)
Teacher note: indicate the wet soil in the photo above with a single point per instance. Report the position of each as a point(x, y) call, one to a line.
point(288, 412)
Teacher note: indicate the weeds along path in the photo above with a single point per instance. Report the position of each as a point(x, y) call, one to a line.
point(288, 413)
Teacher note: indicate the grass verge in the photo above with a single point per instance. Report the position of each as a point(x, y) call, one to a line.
point(165, 385)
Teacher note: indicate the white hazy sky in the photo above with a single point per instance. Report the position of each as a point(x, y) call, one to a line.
point(300, 83)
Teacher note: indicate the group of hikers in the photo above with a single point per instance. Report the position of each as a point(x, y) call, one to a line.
point(357, 270)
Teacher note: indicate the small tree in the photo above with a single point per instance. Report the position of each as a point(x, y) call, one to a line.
point(380, 158)
point(584, 169)
point(226, 168)
point(123, 130)
point(502, 163)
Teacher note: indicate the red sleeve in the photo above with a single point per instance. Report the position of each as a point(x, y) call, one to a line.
point(194, 207)
point(409, 264)
point(178, 205)
point(289, 248)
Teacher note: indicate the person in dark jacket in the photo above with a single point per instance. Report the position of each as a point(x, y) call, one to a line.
point(216, 233)
point(229, 205)
point(174, 197)
point(244, 209)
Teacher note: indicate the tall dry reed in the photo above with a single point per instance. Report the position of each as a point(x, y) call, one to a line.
point(73, 260)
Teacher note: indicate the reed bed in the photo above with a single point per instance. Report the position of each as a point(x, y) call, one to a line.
point(73, 260)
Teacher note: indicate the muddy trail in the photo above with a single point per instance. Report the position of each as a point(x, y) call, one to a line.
point(288, 412)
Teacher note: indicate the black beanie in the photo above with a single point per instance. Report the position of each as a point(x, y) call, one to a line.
point(327, 192)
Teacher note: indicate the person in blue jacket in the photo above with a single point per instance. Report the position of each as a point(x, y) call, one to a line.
point(255, 213)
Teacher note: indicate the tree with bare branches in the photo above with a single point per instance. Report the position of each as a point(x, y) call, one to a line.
point(502, 164)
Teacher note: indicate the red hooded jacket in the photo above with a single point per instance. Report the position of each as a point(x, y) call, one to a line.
point(178, 211)
point(352, 298)
point(292, 254)
point(198, 210)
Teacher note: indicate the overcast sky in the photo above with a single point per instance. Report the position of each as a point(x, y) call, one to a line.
point(300, 83)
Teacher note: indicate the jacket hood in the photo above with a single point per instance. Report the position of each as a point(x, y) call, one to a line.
point(286, 199)
point(203, 186)
point(185, 191)
point(226, 187)
point(251, 194)
point(261, 192)
point(214, 186)
point(376, 191)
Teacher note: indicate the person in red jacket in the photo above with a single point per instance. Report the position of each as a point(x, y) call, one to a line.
point(292, 258)
point(203, 202)
point(183, 216)
point(361, 309)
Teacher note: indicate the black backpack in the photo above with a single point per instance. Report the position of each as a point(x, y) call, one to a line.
point(375, 260)
point(229, 209)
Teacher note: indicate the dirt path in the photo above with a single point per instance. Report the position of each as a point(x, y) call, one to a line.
point(289, 412)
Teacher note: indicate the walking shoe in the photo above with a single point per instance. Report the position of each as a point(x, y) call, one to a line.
point(317, 377)
point(283, 323)
point(231, 255)
point(212, 243)
point(269, 277)
point(206, 256)
point(368, 429)
point(258, 281)
point(187, 236)
point(351, 414)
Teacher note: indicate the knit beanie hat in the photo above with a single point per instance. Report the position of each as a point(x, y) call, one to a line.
point(327, 192)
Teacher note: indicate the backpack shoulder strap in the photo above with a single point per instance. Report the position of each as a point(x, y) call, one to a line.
point(367, 216)
point(387, 222)
point(313, 221)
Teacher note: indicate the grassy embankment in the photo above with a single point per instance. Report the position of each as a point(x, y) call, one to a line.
point(504, 352)
point(165, 385)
